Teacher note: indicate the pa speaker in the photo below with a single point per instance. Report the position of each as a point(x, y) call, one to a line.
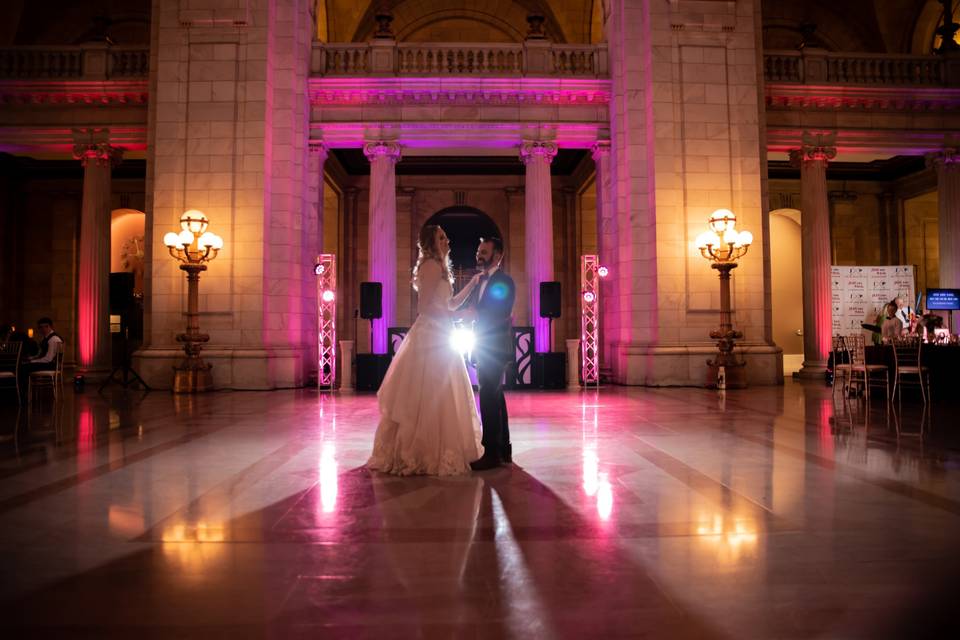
point(549, 299)
point(371, 367)
point(549, 370)
point(371, 300)
point(121, 292)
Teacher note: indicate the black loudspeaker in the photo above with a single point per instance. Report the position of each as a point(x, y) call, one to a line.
point(371, 300)
point(121, 292)
point(549, 299)
point(549, 370)
point(371, 367)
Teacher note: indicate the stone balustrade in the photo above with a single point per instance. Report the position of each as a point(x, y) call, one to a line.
point(816, 66)
point(537, 58)
point(87, 62)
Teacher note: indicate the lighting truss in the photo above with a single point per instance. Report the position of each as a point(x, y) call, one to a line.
point(589, 320)
point(326, 272)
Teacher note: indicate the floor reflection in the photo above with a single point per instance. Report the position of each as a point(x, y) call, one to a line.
point(775, 512)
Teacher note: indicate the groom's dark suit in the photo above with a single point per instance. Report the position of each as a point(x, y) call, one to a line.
point(493, 351)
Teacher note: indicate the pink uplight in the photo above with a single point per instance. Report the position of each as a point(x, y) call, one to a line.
point(588, 297)
point(328, 296)
point(603, 272)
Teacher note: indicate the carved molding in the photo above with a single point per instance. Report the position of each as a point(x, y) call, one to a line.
point(948, 159)
point(600, 148)
point(93, 145)
point(318, 148)
point(815, 147)
point(532, 150)
point(382, 149)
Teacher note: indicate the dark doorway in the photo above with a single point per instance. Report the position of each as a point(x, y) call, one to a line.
point(464, 226)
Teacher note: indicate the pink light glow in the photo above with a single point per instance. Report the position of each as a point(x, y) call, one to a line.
point(604, 497)
point(328, 296)
point(603, 272)
point(588, 297)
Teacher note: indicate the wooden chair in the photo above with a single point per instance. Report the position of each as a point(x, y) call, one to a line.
point(10, 364)
point(52, 378)
point(866, 372)
point(908, 353)
point(841, 364)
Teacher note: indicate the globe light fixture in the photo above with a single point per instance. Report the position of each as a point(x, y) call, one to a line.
point(193, 247)
point(723, 245)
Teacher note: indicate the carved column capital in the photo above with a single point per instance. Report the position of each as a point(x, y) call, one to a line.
point(947, 159)
point(94, 145)
point(536, 150)
point(382, 149)
point(600, 149)
point(318, 148)
point(820, 146)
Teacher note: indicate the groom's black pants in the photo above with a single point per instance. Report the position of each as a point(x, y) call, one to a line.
point(493, 406)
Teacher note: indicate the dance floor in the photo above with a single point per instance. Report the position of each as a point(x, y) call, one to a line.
point(773, 512)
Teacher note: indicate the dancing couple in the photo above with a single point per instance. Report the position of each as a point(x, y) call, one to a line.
point(428, 416)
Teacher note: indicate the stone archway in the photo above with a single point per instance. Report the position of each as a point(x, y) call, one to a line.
point(464, 226)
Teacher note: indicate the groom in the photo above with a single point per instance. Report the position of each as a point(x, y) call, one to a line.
point(491, 306)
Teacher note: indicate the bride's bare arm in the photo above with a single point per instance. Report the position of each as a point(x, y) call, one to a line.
point(457, 301)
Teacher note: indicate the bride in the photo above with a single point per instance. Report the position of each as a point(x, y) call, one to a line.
point(428, 416)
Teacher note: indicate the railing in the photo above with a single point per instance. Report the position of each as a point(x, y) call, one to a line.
point(458, 59)
point(92, 62)
point(817, 66)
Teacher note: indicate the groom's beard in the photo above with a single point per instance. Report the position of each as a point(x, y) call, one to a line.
point(483, 265)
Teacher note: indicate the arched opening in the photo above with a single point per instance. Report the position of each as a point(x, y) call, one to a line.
point(127, 244)
point(464, 226)
point(786, 284)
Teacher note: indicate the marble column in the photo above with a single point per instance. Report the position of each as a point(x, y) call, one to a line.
point(382, 233)
point(93, 287)
point(538, 241)
point(812, 158)
point(947, 165)
point(606, 248)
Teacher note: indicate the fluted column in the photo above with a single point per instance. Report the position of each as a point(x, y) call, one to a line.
point(538, 240)
point(606, 248)
point(382, 233)
point(93, 286)
point(812, 159)
point(947, 165)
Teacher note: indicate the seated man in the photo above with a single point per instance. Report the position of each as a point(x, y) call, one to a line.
point(46, 358)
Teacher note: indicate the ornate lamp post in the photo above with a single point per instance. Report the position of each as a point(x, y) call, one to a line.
point(193, 374)
point(723, 245)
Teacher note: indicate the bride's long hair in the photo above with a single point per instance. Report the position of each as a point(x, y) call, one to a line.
point(427, 250)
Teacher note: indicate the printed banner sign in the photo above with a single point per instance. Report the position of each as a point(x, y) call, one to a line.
point(859, 293)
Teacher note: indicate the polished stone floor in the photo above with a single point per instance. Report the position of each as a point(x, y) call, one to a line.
point(630, 513)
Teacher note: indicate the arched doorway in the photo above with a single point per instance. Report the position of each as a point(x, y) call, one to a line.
point(464, 226)
point(786, 279)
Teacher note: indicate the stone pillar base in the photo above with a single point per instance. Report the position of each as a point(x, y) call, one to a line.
point(231, 368)
point(812, 371)
point(686, 366)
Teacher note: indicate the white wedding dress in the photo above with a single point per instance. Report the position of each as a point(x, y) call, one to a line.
point(428, 417)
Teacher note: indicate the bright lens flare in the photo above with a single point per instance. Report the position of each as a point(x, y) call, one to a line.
point(462, 340)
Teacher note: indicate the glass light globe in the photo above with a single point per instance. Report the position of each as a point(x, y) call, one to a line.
point(206, 240)
point(745, 239)
point(703, 240)
point(722, 219)
point(217, 242)
point(194, 220)
point(730, 236)
point(713, 239)
point(171, 239)
point(185, 238)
